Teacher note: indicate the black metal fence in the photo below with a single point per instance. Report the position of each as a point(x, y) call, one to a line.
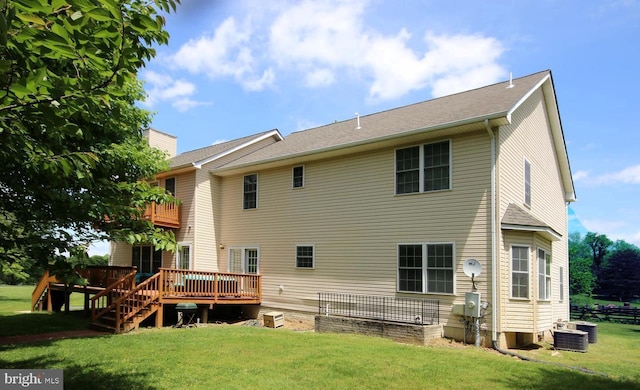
point(395, 309)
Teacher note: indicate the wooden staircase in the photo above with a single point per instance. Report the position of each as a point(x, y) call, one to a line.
point(40, 298)
point(123, 305)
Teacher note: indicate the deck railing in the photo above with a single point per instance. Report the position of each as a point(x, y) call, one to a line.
point(163, 214)
point(177, 283)
point(103, 276)
point(394, 309)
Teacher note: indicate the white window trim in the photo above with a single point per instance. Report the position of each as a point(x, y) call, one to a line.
point(243, 250)
point(424, 267)
point(421, 168)
point(528, 297)
point(313, 256)
point(179, 254)
point(257, 190)
point(293, 177)
point(547, 277)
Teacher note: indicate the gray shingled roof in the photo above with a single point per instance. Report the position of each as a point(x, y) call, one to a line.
point(516, 218)
point(493, 101)
point(193, 156)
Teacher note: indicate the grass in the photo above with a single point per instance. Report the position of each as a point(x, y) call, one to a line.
point(240, 357)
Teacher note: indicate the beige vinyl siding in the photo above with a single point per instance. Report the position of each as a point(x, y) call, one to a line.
point(159, 140)
point(206, 215)
point(120, 254)
point(517, 314)
point(529, 137)
point(349, 211)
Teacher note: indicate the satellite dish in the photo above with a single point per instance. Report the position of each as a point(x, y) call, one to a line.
point(472, 268)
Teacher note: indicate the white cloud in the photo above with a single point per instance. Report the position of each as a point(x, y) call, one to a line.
point(225, 53)
point(580, 175)
point(162, 87)
point(629, 175)
point(324, 43)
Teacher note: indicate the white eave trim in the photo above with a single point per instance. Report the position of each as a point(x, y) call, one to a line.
point(273, 133)
point(545, 231)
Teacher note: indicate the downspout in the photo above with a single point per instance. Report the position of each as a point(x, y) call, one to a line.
point(494, 282)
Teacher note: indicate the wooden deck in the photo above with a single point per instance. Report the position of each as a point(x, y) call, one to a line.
point(112, 293)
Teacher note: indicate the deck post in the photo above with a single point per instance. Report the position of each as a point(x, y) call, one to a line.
point(49, 308)
point(159, 315)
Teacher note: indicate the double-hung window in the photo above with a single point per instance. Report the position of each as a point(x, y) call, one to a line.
point(298, 176)
point(304, 256)
point(520, 272)
point(250, 192)
point(425, 268)
point(423, 168)
point(544, 275)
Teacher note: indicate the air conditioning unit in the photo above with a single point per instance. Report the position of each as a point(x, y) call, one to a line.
point(571, 340)
point(273, 319)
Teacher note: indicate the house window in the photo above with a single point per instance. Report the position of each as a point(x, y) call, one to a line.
point(423, 168)
point(544, 275)
point(243, 260)
point(183, 260)
point(436, 166)
point(304, 256)
point(298, 176)
point(519, 272)
point(147, 260)
point(561, 284)
point(425, 268)
point(170, 185)
point(527, 183)
point(250, 198)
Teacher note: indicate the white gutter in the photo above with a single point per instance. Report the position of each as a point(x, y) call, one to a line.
point(494, 245)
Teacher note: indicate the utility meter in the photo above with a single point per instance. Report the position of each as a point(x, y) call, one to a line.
point(472, 304)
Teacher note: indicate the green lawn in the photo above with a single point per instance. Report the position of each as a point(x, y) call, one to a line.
point(241, 357)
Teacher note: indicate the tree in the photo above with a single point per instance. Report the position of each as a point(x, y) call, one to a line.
point(73, 156)
point(599, 244)
point(620, 278)
point(581, 278)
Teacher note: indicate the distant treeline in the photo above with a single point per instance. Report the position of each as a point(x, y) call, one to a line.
point(599, 266)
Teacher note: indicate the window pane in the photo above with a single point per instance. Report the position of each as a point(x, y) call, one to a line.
point(304, 257)
point(410, 268)
point(436, 166)
point(251, 261)
point(250, 191)
point(408, 170)
point(440, 268)
point(298, 177)
point(519, 272)
point(527, 182)
point(170, 185)
point(183, 262)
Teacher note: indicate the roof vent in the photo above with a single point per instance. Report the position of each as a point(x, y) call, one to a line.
point(358, 121)
point(510, 80)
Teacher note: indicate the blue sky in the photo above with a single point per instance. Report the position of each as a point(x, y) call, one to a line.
point(234, 68)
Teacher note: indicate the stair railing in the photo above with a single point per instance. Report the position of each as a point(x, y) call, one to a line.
point(139, 297)
point(103, 302)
